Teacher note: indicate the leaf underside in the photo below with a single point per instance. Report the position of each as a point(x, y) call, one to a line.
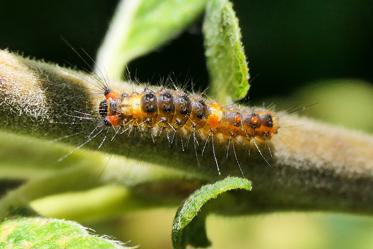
point(140, 26)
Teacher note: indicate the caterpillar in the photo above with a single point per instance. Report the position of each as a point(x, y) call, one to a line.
point(163, 110)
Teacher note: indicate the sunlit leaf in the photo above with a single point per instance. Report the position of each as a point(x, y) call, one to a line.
point(51, 233)
point(226, 60)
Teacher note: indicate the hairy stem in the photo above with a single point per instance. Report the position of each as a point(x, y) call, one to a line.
point(314, 166)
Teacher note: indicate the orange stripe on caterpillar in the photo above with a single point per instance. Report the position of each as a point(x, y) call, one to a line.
point(176, 110)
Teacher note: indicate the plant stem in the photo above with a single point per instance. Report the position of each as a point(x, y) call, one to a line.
point(315, 166)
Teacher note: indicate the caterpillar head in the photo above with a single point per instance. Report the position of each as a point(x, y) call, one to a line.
point(108, 109)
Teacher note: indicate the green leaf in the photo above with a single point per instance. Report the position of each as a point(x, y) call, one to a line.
point(140, 26)
point(226, 60)
point(51, 233)
point(187, 229)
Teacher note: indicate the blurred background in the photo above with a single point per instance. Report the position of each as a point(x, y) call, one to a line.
point(300, 53)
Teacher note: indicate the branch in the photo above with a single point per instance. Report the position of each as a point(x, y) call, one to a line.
point(314, 166)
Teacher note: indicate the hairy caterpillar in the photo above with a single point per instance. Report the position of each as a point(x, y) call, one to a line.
point(174, 112)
